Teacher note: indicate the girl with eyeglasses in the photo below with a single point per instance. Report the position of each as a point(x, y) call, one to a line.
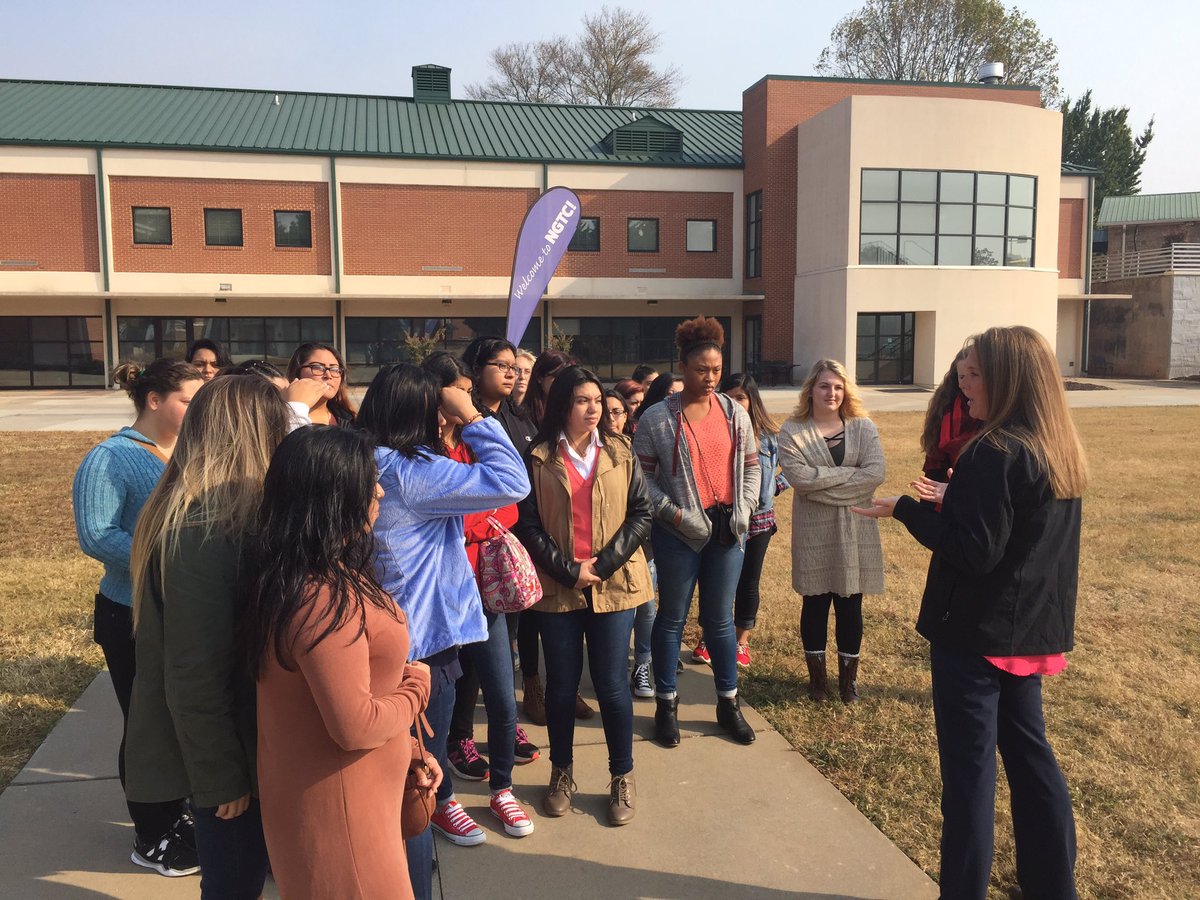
point(616, 408)
point(634, 394)
point(321, 362)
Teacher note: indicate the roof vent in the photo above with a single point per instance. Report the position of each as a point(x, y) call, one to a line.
point(431, 83)
point(645, 136)
point(991, 73)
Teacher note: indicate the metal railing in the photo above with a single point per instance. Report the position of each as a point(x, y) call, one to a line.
point(1145, 263)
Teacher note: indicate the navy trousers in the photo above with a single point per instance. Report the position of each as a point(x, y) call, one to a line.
point(980, 709)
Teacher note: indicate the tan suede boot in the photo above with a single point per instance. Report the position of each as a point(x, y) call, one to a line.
point(535, 700)
point(557, 801)
point(622, 799)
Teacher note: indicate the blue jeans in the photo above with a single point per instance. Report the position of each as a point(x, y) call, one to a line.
point(608, 660)
point(716, 569)
point(978, 709)
point(438, 713)
point(643, 623)
point(232, 852)
point(492, 660)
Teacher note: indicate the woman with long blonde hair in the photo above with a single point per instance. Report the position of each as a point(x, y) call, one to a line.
point(999, 611)
point(192, 714)
point(830, 454)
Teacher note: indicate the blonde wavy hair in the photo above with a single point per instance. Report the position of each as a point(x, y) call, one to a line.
point(852, 405)
point(1026, 403)
point(214, 479)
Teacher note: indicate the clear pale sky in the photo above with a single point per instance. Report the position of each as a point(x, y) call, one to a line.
point(1140, 55)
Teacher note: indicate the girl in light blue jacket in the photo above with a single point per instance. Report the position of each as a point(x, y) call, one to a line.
point(421, 560)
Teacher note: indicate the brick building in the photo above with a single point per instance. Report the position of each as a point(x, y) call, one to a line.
point(880, 223)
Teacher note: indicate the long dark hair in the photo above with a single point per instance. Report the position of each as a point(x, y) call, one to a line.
point(760, 419)
point(313, 534)
point(478, 354)
point(340, 403)
point(548, 362)
point(558, 405)
point(939, 404)
point(400, 410)
point(446, 367)
point(658, 391)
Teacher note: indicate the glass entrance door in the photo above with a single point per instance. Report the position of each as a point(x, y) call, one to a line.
point(885, 348)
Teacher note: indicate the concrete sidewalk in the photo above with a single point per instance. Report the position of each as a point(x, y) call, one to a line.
point(93, 410)
point(715, 819)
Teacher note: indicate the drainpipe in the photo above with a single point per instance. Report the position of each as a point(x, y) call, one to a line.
point(110, 354)
point(335, 241)
point(1087, 276)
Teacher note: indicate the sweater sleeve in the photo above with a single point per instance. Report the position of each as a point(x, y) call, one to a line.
point(338, 672)
point(801, 475)
point(201, 653)
point(441, 487)
point(98, 496)
point(971, 532)
point(864, 478)
point(661, 504)
point(752, 473)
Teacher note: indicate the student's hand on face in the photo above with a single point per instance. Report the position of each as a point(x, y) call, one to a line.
point(881, 508)
point(308, 391)
point(456, 405)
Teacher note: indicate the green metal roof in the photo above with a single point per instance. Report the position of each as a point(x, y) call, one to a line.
point(170, 118)
point(1075, 169)
point(1145, 208)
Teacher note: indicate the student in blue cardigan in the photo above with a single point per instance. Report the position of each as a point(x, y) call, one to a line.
point(422, 559)
point(111, 486)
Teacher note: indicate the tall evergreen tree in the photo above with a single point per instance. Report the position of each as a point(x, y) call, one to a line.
point(1102, 139)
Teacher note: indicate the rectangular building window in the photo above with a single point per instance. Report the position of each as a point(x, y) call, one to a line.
point(376, 341)
point(754, 235)
point(151, 225)
point(223, 227)
point(926, 218)
point(701, 235)
point(587, 236)
point(612, 346)
point(293, 228)
point(51, 351)
point(643, 235)
point(273, 338)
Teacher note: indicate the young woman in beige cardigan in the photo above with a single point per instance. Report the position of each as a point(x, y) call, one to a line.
point(830, 454)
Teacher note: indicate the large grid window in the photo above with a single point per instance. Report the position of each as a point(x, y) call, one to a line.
point(273, 338)
point(915, 217)
point(612, 346)
point(51, 351)
point(376, 341)
point(754, 234)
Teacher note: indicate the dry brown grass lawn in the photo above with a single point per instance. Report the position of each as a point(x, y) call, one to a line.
point(1122, 717)
point(47, 656)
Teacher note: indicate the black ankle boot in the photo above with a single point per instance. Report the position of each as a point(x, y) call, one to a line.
point(729, 717)
point(666, 721)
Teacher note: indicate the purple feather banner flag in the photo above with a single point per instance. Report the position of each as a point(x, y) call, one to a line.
point(547, 230)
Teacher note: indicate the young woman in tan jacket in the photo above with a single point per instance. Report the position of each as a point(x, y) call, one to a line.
point(584, 523)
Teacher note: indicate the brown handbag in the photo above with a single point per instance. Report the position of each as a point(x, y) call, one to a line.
point(419, 803)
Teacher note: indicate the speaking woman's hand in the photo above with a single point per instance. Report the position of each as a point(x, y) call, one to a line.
point(881, 508)
point(928, 489)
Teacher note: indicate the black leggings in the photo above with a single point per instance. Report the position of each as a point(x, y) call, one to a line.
point(814, 622)
point(527, 642)
point(113, 631)
point(745, 601)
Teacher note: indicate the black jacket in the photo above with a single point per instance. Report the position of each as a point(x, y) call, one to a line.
point(1005, 566)
point(517, 424)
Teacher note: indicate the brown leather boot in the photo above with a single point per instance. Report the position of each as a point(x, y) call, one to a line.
point(535, 700)
point(557, 801)
point(622, 799)
point(848, 678)
point(818, 683)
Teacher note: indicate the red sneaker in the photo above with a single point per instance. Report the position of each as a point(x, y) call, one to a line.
point(700, 654)
point(452, 822)
point(506, 808)
point(743, 656)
